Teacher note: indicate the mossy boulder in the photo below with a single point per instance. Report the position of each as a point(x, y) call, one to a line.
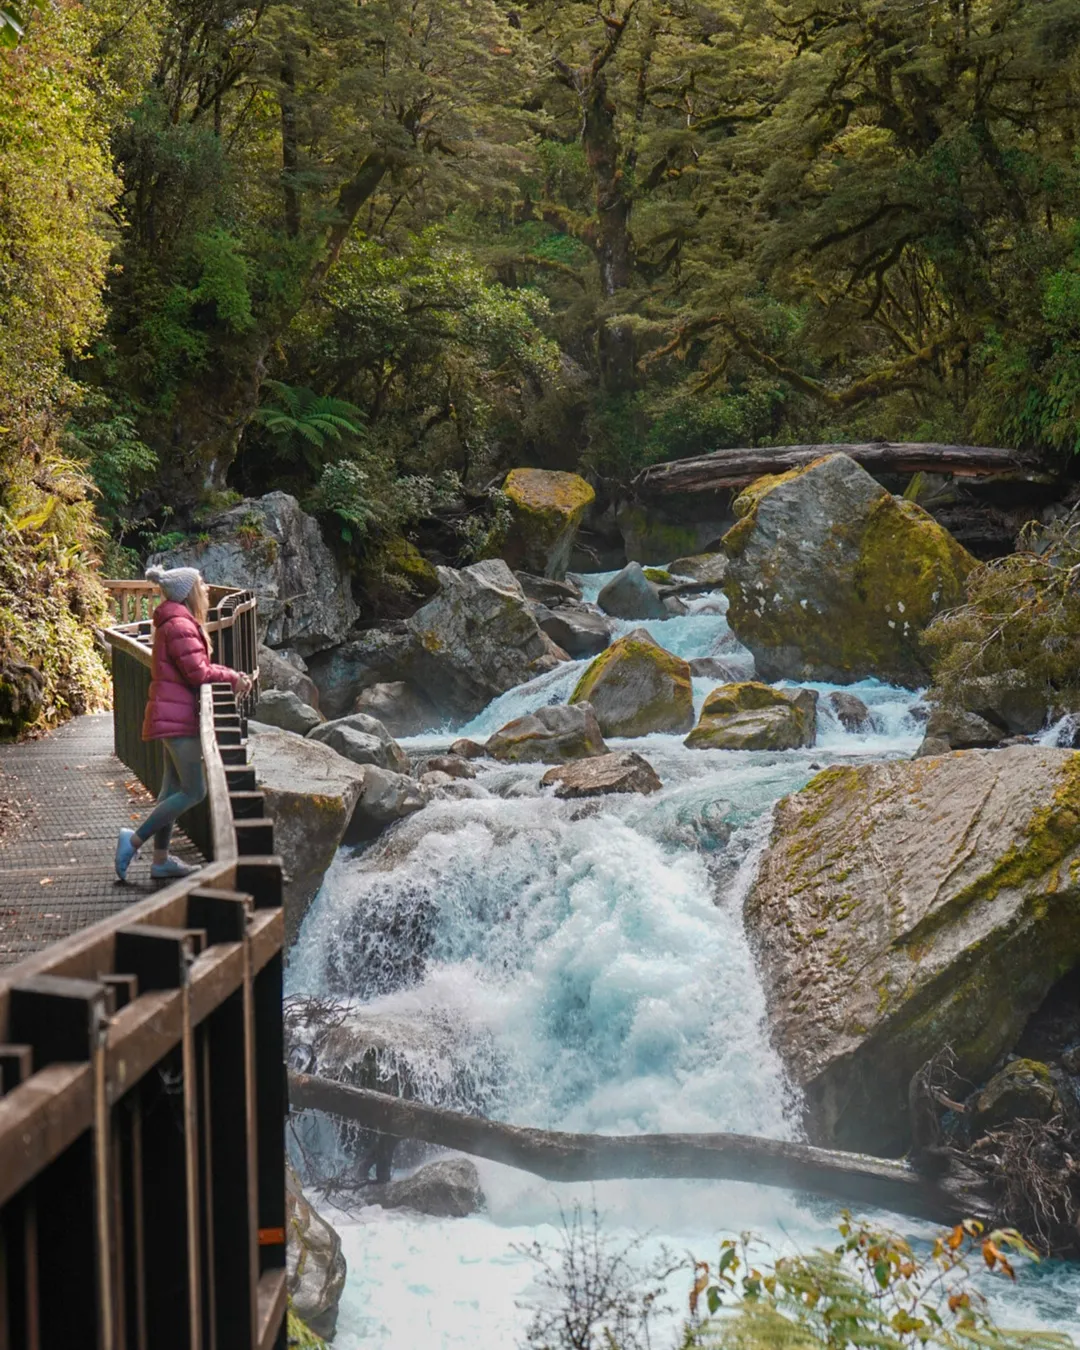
point(1022, 1090)
point(315, 1267)
point(831, 577)
point(907, 905)
point(549, 736)
point(548, 507)
point(637, 687)
point(753, 716)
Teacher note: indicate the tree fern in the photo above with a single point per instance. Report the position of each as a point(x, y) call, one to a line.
point(307, 421)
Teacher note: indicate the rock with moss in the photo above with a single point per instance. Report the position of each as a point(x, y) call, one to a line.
point(270, 546)
point(704, 568)
point(548, 507)
point(753, 716)
point(476, 639)
point(681, 529)
point(1010, 700)
point(315, 1268)
point(549, 736)
point(962, 730)
point(637, 687)
point(1023, 1090)
point(909, 905)
point(832, 578)
point(621, 771)
point(631, 595)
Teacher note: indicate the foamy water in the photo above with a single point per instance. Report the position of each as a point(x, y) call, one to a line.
point(591, 959)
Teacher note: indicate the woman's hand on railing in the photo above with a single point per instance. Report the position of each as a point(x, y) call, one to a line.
point(243, 685)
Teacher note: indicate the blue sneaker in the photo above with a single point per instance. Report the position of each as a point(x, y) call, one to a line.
point(125, 851)
point(170, 869)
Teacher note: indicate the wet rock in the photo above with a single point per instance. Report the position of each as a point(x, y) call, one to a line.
point(282, 708)
point(631, 595)
point(753, 716)
point(455, 766)
point(373, 656)
point(930, 746)
point(548, 591)
point(906, 905)
point(447, 1189)
point(716, 668)
point(852, 713)
point(832, 578)
point(1022, 1090)
point(466, 749)
point(962, 730)
point(1008, 700)
point(270, 546)
point(549, 736)
point(637, 687)
point(548, 507)
point(289, 672)
point(674, 606)
point(388, 796)
point(577, 630)
point(362, 739)
point(710, 568)
point(402, 710)
point(311, 794)
point(315, 1267)
point(624, 771)
point(476, 639)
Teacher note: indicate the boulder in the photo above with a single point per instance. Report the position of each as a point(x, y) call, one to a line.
point(314, 1262)
point(466, 749)
point(387, 797)
point(670, 530)
point(476, 639)
point(577, 630)
point(658, 576)
point(962, 730)
point(631, 595)
point(447, 1189)
point(620, 772)
point(930, 746)
point(401, 709)
point(1022, 1090)
point(454, 766)
point(547, 508)
point(311, 796)
point(548, 591)
point(269, 546)
point(362, 739)
point(282, 708)
point(707, 568)
point(908, 905)
point(22, 696)
point(288, 672)
point(549, 736)
point(1008, 700)
point(673, 606)
point(851, 712)
point(832, 578)
point(637, 687)
point(753, 716)
point(373, 656)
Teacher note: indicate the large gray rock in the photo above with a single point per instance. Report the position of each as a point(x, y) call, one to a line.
point(754, 716)
point(637, 687)
point(282, 708)
point(278, 671)
point(706, 568)
point(311, 796)
point(548, 591)
point(447, 1189)
point(631, 595)
point(270, 546)
point(400, 708)
point(389, 796)
point(1008, 700)
point(832, 578)
point(577, 630)
point(362, 739)
point(962, 730)
point(851, 712)
point(315, 1267)
point(549, 736)
point(908, 905)
point(476, 639)
point(373, 656)
point(623, 771)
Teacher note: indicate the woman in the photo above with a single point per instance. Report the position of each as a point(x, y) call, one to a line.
point(179, 665)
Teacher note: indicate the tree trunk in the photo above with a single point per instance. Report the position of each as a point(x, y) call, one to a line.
point(851, 1178)
point(725, 469)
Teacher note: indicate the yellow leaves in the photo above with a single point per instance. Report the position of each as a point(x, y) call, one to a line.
point(701, 1283)
point(34, 520)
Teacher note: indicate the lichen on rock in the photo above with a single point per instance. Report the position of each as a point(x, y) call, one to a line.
point(637, 687)
point(548, 507)
point(832, 578)
point(754, 716)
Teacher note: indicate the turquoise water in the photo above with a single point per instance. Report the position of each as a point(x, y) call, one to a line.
point(591, 960)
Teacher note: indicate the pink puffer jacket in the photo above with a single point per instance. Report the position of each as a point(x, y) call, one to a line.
point(180, 664)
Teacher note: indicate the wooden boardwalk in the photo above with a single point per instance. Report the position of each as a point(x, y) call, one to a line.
point(62, 800)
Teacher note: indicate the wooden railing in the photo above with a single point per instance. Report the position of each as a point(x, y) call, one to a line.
point(142, 1091)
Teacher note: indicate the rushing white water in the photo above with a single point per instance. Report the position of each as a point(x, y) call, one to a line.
point(592, 962)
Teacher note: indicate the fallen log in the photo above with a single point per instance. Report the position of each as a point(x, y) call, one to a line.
point(725, 469)
point(851, 1178)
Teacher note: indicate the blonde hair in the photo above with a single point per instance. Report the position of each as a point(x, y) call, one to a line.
point(198, 602)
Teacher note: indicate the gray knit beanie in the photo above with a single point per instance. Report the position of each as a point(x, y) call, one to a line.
point(176, 582)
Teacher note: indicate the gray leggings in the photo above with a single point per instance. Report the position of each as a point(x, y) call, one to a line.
point(183, 785)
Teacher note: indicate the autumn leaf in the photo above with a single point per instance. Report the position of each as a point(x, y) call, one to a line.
point(700, 1284)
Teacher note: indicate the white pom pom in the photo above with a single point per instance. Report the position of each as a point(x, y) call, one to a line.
point(155, 574)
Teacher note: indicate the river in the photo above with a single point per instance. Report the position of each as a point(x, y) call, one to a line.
point(591, 961)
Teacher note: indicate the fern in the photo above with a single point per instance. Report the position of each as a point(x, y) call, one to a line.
point(307, 421)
